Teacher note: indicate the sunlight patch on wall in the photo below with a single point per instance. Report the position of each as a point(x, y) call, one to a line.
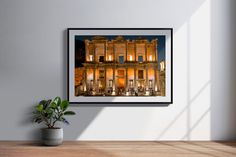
point(199, 71)
point(189, 117)
point(192, 83)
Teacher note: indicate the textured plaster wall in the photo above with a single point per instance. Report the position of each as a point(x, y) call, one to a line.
point(33, 67)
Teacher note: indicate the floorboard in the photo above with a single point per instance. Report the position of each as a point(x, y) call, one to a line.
point(119, 149)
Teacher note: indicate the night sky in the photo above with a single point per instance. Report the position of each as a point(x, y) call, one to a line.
point(80, 46)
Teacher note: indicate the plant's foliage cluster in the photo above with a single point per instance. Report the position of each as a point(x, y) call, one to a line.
point(52, 111)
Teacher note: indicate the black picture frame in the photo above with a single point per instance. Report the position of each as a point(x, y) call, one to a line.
point(128, 103)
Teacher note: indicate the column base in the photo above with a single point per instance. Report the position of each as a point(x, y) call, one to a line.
point(113, 93)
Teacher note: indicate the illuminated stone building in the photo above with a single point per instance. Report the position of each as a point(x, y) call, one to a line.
point(120, 67)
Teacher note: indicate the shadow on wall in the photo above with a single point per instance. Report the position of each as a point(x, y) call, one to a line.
point(197, 103)
point(79, 122)
point(217, 71)
point(86, 115)
point(33, 134)
point(212, 83)
point(183, 111)
point(223, 70)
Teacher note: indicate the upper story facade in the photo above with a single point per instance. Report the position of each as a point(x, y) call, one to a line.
point(121, 50)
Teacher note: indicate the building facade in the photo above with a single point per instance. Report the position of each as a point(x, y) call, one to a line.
point(120, 67)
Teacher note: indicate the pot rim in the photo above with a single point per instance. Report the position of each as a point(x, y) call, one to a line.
point(56, 128)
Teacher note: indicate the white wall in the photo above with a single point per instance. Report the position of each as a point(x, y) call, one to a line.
point(33, 67)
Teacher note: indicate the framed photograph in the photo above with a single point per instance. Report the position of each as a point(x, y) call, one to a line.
point(120, 66)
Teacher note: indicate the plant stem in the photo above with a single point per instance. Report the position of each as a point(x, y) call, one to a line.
point(59, 116)
point(46, 120)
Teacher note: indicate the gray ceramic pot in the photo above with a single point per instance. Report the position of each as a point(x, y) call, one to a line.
point(52, 137)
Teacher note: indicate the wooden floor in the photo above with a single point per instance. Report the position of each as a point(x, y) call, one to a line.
point(120, 149)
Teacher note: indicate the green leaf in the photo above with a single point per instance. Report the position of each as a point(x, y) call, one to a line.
point(49, 113)
point(47, 103)
point(39, 107)
point(69, 113)
point(62, 119)
point(57, 100)
point(43, 102)
point(64, 105)
point(53, 105)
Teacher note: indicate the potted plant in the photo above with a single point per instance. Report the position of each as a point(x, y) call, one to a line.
point(50, 112)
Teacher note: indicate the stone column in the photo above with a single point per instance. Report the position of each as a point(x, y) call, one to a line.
point(135, 77)
point(135, 50)
point(94, 79)
point(105, 78)
point(105, 51)
point(114, 57)
point(94, 49)
point(85, 79)
point(155, 52)
point(114, 82)
point(147, 76)
point(147, 90)
point(126, 78)
point(113, 70)
point(156, 87)
point(146, 52)
point(86, 51)
point(155, 77)
point(126, 44)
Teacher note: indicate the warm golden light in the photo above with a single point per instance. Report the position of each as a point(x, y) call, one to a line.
point(150, 58)
point(110, 83)
point(150, 83)
point(100, 84)
point(109, 58)
point(162, 65)
point(131, 58)
point(155, 88)
point(119, 67)
point(91, 57)
point(131, 83)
